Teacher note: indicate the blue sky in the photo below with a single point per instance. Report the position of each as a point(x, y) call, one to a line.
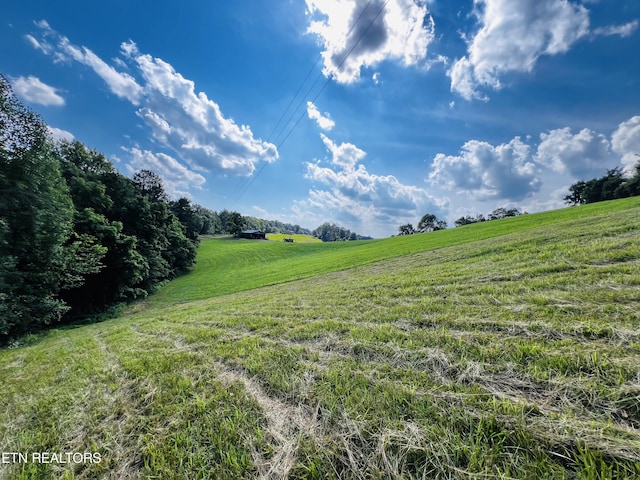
point(366, 113)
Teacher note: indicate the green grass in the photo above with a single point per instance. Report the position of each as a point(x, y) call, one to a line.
point(509, 349)
point(226, 265)
point(297, 238)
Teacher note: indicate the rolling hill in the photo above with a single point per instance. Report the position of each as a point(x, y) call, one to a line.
point(507, 349)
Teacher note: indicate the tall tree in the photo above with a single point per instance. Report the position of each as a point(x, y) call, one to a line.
point(35, 220)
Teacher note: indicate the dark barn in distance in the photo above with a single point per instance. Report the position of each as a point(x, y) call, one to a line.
point(253, 234)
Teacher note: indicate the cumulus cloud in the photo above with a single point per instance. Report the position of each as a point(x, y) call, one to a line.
point(181, 119)
point(324, 121)
point(536, 177)
point(625, 141)
point(585, 154)
point(363, 33)
point(512, 37)
point(176, 177)
point(504, 172)
point(353, 194)
point(33, 90)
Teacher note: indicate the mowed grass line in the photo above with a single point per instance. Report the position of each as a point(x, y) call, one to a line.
point(229, 265)
point(516, 356)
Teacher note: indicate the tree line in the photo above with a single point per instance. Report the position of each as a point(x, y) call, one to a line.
point(430, 223)
point(612, 185)
point(76, 236)
point(330, 232)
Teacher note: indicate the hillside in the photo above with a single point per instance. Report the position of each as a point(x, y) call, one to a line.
point(508, 349)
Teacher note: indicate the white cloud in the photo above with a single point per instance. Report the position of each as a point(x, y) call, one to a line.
point(41, 45)
point(324, 121)
point(180, 119)
point(193, 125)
point(359, 198)
point(363, 33)
point(625, 141)
point(345, 155)
point(60, 134)
point(52, 43)
point(121, 84)
point(583, 155)
point(504, 172)
point(512, 37)
point(624, 30)
point(175, 176)
point(33, 90)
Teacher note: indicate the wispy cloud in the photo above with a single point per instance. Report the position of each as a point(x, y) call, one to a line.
point(324, 121)
point(624, 30)
point(33, 90)
point(180, 119)
point(363, 33)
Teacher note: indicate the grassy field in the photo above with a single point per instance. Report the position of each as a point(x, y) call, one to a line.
point(299, 238)
point(509, 349)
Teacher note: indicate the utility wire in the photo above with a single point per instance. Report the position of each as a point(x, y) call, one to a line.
point(279, 145)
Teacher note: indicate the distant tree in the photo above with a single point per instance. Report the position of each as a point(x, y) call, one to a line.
point(233, 222)
point(632, 185)
point(502, 212)
point(468, 219)
point(430, 223)
point(610, 186)
point(576, 194)
point(330, 232)
point(406, 229)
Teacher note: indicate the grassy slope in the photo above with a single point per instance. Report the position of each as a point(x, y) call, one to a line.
point(229, 265)
point(299, 238)
point(516, 356)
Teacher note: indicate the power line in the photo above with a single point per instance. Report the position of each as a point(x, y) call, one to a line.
point(279, 145)
point(337, 69)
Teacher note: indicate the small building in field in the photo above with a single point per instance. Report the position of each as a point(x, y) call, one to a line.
point(253, 234)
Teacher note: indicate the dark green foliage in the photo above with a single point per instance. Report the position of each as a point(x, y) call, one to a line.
point(35, 221)
point(329, 232)
point(76, 236)
point(406, 229)
point(430, 223)
point(610, 186)
point(275, 226)
point(468, 219)
point(502, 212)
point(232, 222)
point(191, 219)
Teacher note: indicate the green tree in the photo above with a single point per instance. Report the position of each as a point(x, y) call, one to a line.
point(468, 219)
point(35, 220)
point(430, 223)
point(190, 218)
point(503, 212)
point(406, 229)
